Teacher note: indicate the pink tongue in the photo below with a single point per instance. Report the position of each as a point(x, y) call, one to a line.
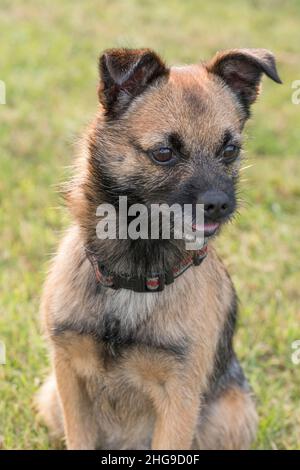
point(206, 227)
point(211, 226)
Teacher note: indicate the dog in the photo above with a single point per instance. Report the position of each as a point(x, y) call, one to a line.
point(140, 331)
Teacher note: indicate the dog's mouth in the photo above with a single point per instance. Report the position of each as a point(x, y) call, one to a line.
point(208, 228)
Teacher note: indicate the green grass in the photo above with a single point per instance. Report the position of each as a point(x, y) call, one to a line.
point(48, 60)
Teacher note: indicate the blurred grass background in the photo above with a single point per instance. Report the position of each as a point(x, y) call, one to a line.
point(48, 59)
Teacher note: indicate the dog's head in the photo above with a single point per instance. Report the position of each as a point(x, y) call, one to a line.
point(174, 135)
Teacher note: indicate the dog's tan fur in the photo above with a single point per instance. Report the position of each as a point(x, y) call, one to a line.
point(144, 384)
point(154, 394)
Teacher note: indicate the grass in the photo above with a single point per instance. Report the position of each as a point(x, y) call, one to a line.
point(48, 58)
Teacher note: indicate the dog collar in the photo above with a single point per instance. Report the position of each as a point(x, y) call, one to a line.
point(154, 282)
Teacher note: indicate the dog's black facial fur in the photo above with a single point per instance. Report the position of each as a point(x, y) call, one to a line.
point(209, 173)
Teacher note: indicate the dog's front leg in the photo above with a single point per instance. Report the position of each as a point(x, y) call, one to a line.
point(79, 423)
point(177, 410)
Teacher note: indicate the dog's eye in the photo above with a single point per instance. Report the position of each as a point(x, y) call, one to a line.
point(163, 155)
point(230, 153)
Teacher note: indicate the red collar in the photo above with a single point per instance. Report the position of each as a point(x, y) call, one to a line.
point(152, 283)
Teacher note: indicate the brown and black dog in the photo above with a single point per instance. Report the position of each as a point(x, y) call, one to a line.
point(137, 369)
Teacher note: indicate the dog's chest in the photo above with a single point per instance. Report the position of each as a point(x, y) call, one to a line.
point(123, 322)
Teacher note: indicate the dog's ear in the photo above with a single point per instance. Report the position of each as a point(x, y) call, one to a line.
point(125, 74)
point(242, 69)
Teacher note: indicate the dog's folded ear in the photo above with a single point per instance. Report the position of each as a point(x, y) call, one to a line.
point(242, 69)
point(125, 74)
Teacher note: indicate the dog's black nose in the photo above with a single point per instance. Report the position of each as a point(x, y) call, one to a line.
point(216, 204)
